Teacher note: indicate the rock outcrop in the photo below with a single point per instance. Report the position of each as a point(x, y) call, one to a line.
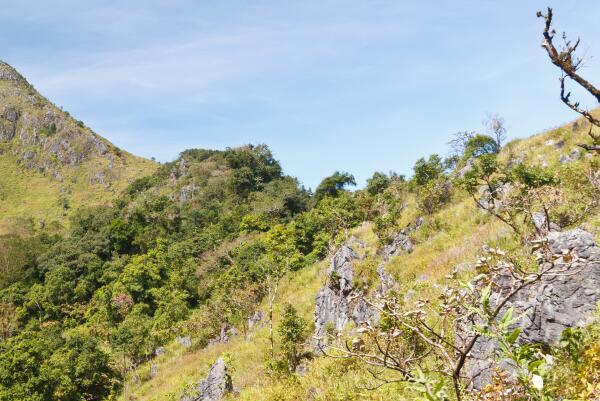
point(551, 305)
point(401, 242)
point(216, 385)
point(337, 302)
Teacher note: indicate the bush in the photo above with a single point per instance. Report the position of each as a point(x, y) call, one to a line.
point(435, 194)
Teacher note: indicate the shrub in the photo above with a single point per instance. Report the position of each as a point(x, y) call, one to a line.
point(435, 194)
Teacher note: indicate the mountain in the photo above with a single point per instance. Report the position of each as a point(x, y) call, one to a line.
point(415, 252)
point(51, 163)
point(217, 277)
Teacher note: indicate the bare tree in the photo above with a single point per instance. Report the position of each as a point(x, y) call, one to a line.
point(459, 141)
point(496, 128)
point(569, 63)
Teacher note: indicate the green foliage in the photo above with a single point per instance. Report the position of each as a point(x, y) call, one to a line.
point(17, 257)
point(42, 365)
point(485, 171)
point(532, 176)
point(292, 330)
point(333, 185)
point(132, 336)
point(377, 183)
point(433, 195)
point(428, 170)
point(480, 145)
point(253, 166)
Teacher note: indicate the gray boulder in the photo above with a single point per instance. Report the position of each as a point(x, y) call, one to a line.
point(400, 242)
point(186, 193)
point(8, 123)
point(549, 306)
point(216, 385)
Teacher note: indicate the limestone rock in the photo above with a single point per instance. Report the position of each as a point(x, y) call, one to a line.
point(337, 304)
point(8, 73)
point(256, 318)
point(186, 193)
point(468, 167)
point(386, 281)
point(216, 385)
point(551, 305)
point(401, 243)
point(184, 341)
point(541, 223)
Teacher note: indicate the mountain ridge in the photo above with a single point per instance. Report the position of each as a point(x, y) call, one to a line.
point(53, 158)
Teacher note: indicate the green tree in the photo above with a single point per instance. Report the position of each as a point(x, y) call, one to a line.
point(333, 185)
point(428, 170)
point(281, 255)
point(377, 183)
point(292, 330)
point(480, 145)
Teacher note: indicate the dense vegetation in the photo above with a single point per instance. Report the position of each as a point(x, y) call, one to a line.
point(167, 276)
point(201, 235)
point(203, 241)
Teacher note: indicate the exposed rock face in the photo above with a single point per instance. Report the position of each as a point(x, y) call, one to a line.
point(401, 243)
point(29, 123)
point(186, 193)
point(387, 282)
point(496, 203)
point(255, 319)
point(468, 167)
point(216, 385)
point(336, 305)
point(541, 223)
point(8, 123)
point(225, 334)
point(551, 305)
point(8, 73)
point(571, 157)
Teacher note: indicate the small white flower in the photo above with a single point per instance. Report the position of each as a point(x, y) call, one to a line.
point(537, 381)
point(549, 359)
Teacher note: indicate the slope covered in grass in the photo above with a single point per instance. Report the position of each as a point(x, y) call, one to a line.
point(51, 163)
point(452, 236)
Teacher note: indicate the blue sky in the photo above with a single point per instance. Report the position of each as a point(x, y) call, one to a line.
point(357, 86)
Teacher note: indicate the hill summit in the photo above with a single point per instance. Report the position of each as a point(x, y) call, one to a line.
point(51, 162)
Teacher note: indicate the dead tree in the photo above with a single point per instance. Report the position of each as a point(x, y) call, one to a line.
point(569, 63)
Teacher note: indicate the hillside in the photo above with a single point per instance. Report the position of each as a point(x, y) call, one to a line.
point(450, 237)
point(176, 280)
point(51, 163)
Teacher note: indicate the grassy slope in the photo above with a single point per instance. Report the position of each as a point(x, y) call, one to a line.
point(28, 193)
point(452, 236)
